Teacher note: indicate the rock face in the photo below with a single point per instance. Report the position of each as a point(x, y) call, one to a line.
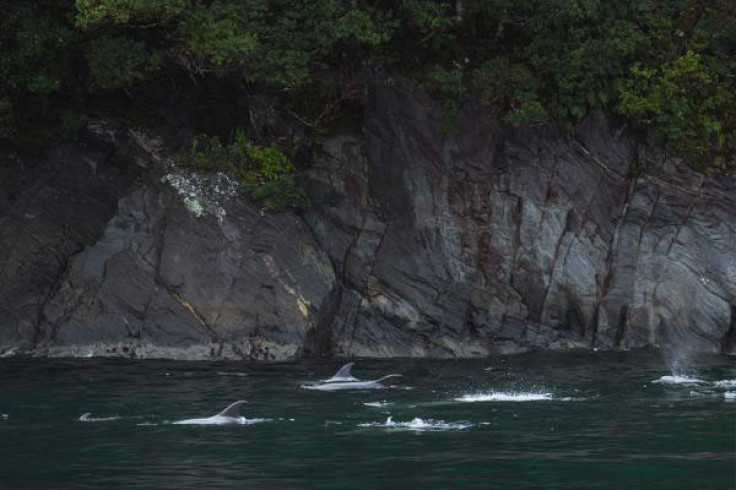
point(50, 210)
point(499, 240)
point(171, 266)
point(417, 245)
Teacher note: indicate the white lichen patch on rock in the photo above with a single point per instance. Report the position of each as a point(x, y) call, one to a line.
point(203, 194)
point(193, 206)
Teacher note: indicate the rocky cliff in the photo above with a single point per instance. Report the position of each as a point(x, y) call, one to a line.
point(417, 244)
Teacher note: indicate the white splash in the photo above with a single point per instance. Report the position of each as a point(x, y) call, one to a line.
point(381, 404)
point(9, 352)
point(418, 424)
point(678, 380)
point(730, 396)
point(725, 383)
point(147, 424)
point(223, 373)
point(4, 416)
point(87, 417)
point(512, 396)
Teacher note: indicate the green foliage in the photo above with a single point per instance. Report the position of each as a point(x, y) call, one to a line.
point(447, 85)
point(218, 34)
point(427, 17)
point(666, 65)
point(684, 103)
point(501, 84)
point(33, 36)
point(265, 172)
point(119, 62)
point(683, 92)
point(98, 13)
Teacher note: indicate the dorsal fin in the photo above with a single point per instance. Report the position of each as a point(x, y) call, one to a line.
point(344, 374)
point(232, 410)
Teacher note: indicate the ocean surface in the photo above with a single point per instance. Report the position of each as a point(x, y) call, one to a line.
point(543, 421)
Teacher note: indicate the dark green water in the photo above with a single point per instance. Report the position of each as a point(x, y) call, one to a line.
point(604, 425)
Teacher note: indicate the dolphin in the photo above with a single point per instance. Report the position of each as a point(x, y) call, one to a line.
point(376, 384)
point(343, 374)
point(228, 416)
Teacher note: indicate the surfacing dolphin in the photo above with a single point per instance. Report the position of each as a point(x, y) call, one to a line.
point(228, 416)
point(344, 380)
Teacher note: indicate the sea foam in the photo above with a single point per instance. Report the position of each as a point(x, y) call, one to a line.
point(380, 404)
point(418, 424)
point(510, 396)
point(678, 380)
point(87, 417)
point(725, 383)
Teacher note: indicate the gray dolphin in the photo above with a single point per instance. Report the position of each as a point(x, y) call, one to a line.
point(376, 384)
point(344, 380)
point(230, 415)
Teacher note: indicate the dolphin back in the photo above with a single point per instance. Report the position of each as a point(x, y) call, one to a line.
point(232, 410)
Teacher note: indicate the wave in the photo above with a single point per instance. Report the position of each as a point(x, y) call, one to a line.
point(511, 396)
point(381, 404)
point(224, 373)
point(678, 380)
point(725, 383)
point(701, 393)
point(418, 424)
point(4, 416)
point(254, 421)
point(730, 396)
point(87, 417)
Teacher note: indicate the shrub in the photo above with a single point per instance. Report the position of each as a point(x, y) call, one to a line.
point(666, 65)
point(512, 89)
point(97, 13)
point(265, 172)
point(119, 62)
